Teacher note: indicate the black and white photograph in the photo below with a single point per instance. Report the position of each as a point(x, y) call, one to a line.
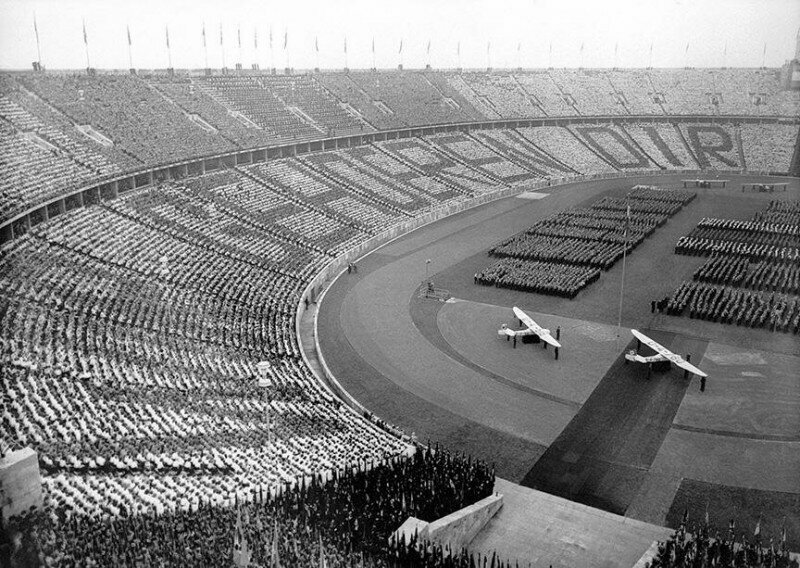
point(399, 284)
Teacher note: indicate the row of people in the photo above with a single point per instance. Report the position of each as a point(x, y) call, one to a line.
point(341, 518)
point(559, 250)
point(692, 246)
point(772, 311)
point(739, 272)
point(780, 211)
point(549, 278)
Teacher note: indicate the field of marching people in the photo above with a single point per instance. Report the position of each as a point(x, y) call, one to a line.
point(752, 277)
point(565, 252)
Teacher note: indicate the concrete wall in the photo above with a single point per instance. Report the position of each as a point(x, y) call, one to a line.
point(20, 482)
point(458, 529)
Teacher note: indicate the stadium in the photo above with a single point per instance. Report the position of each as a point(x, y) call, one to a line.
point(250, 317)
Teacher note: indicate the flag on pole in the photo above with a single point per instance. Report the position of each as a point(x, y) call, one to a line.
point(345, 44)
point(488, 46)
point(458, 49)
point(255, 38)
point(35, 28)
point(519, 47)
point(429, 47)
point(270, 37)
point(166, 28)
point(581, 47)
point(204, 34)
point(687, 48)
point(373, 46)
point(616, 49)
point(85, 38)
point(285, 38)
point(129, 34)
point(316, 44)
point(220, 35)
point(323, 563)
point(401, 46)
point(239, 36)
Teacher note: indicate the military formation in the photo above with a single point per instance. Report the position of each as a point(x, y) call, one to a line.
point(552, 279)
point(565, 252)
point(752, 277)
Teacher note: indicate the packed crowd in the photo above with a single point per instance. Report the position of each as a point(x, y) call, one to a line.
point(752, 276)
point(693, 546)
point(725, 304)
point(342, 518)
point(552, 279)
point(739, 272)
point(130, 338)
point(74, 130)
point(565, 252)
point(465, 148)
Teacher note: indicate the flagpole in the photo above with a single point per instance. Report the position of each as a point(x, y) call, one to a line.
point(169, 50)
point(38, 49)
point(651, 56)
point(374, 66)
point(346, 65)
point(458, 54)
point(271, 51)
point(239, 41)
point(205, 46)
point(130, 53)
point(222, 45)
point(86, 45)
point(624, 258)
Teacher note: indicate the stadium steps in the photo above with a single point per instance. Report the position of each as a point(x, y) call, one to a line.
point(455, 188)
point(484, 101)
point(525, 140)
point(530, 97)
point(737, 133)
point(687, 145)
point(794, 168)
point(192, 240)
point(453, 157)
point(507, 156)
point(563, 96)
point(617, 91)
point(344, 105)
point(64, 116)
point(510, 151)
point(655, 90)
point(421, 200)
point(351, 188)
point(632, 140)
point(293, 198)
point(585, 145)
point(245, 217)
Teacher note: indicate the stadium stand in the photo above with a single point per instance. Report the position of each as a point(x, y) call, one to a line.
point(131, 329)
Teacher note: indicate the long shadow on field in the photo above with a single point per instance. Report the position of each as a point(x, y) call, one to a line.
point(603, 455)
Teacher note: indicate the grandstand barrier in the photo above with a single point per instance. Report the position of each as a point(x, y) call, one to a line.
point(20, 482)
point(455, 531)
point(109, 188)
point(317, 288)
